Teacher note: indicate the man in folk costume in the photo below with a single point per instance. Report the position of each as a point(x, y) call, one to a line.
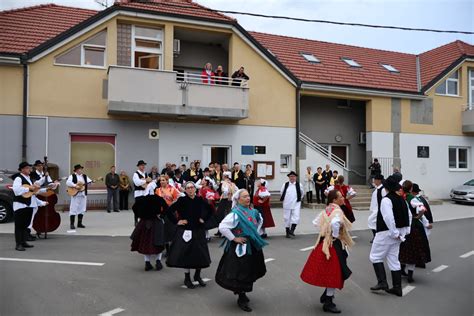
point(23, 207)
point(140, 180)
point(291, 194)
point(393, 224)
point(79, 201)
point(326, 265)
point(377, 196)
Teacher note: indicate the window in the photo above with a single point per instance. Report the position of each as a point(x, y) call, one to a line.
point(147, 47)
point(285, 162)
point(90, 53)
point(450, 86)
point(390, 68)
point(459, 158)
point(310, 58)
point(471, 89)
point(351, 62)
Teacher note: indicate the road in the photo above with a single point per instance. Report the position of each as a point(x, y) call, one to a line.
point(119, 284)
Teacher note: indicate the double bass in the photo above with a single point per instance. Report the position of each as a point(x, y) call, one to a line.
point(47, 219)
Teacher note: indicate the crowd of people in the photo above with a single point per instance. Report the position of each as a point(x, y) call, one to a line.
point(219, 77)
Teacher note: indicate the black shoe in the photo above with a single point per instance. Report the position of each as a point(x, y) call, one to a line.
point(323, 297)
point(218, 234)
point(27, 245)
point(148, 266)
point(410, 276)
point(292, 230)
point(330, 307)
point(116, 211)
point(243, 297)
point(159, 266)
point(30, 238)
point(197, 278)
point(79, 225)
point(381, 277)
point(244, 305)
point(72, 226)
point(20, 248)
point(288, 234)
point(403, 270)
point(108, 211)
point(264, 236)
point(397, 284)
point(187, 281)
point(72, 219)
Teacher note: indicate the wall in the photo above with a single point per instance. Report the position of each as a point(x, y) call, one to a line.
point(11, 89)
point(313, 159)
point(196, 55)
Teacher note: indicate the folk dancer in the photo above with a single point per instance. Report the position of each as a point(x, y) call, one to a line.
point(393, 225)
point(326, 265)
point(375, 201)
point(291, 193)
point(226, 190)
point(261, 202)
point(348, 193)
point(170, 194)
point(243, 262)
point(140, 182)
point(23, 207)
point(79, 201)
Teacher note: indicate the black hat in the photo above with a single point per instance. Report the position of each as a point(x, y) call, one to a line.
point(292, 173)
point(206, 169)
point(78, 166)
point(38, 162)
point(415, 188)
point(23, 165)
point(392, 184)
point(379, 177)
point(140, 162)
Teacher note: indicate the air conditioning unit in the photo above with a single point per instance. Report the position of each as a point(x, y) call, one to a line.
point(176, 46)
point(362, 138)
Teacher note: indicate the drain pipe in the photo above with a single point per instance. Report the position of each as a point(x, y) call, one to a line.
point(24, 62)
point(298, 124)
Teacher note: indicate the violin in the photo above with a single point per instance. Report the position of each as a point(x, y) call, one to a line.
point(47, 219)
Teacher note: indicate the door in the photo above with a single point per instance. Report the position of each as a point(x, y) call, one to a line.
point(341, 152)
point(219, 154)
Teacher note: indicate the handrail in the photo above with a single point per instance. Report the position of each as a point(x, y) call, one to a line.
point(314, 145)
point(215, 80)
point(469, 107)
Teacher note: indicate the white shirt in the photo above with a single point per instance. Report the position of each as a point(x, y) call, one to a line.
point(393, 234)
point(290, 202)
point(80, 179)
point(213, 183)
point(18, 190)
point(138, 183)
point(374, 207)
point(231, 221)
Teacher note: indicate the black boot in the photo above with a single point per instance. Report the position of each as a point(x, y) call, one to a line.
point(330, 307)
point(322, 299)
point(410, 276)
point(159, 266)
point(19, 247)
point(403, 270)
point(79, 221)
point(292, 230)
point(187, 281)
point(148, 266)
point(397, 284)
point(29, 236)
point(72, 219)
point(381, 277)
point(197, 278)
point(288, 233)
point(243, 302)
point(167, 248)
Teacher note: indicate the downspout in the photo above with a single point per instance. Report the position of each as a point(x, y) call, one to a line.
point(298, 124)
point(24, 62)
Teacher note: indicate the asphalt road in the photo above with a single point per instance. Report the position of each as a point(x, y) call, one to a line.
point(122, 286)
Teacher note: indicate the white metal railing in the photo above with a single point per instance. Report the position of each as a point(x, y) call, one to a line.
point(214, 80)
point(469, 107)
point(386, 165)
point(322, 150)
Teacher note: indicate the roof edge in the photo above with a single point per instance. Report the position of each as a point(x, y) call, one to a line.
point(442, 74)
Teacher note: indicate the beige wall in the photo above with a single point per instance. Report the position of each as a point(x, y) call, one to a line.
point(11, 90)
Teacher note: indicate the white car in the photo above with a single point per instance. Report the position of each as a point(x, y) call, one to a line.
point(463, 193)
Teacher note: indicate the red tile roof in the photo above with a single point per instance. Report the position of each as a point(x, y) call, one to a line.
point(26, 28)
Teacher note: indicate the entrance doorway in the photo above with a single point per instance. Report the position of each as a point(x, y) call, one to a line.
point(219, 154)
point(341, 152)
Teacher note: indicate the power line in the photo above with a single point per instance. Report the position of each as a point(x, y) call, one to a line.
point(281, 17)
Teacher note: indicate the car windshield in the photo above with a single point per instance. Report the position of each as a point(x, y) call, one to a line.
point(470, 183)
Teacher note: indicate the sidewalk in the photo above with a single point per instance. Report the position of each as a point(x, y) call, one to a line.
point(101, 223)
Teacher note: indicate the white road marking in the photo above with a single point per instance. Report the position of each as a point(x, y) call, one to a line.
point(354, 237)
point(307, 248)
point(71, 231)
point(196, 282)
point(467, 254)
point(112, 312)
point(99, 264)
point(407, 289)
point(440, 268)
point(269, 259)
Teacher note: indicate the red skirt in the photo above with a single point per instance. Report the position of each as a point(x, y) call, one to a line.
point(319, 271)
point(267, 216)
point(143, 238)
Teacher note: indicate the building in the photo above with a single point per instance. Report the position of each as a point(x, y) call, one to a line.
point(112, 87)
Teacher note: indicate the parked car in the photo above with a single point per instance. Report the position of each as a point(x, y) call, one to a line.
point(6, 197)
point(463, 193)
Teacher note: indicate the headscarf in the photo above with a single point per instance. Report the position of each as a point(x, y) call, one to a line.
point(236, 196)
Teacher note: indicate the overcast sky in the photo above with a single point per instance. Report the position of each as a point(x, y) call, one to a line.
point(435, 14)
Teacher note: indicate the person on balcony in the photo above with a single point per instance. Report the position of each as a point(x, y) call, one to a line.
point(239, 76)
point(207, 75)
point(221, 76)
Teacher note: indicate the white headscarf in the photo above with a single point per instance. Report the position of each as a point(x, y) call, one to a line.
point(236, 197)
point(227, 174)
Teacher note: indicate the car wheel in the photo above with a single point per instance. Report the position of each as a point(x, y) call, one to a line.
point(6, 212)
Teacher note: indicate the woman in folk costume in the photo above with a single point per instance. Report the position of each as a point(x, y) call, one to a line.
point(226, 190)
point(170, 194)
point(326, 265)
point(308, 184)
point(348, 193)
point(415, 250)
point(261, 202)
point(243, 262)
point(210, 196)
point(148, 236)
point(189, 247)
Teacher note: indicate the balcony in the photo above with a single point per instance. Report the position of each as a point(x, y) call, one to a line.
point(468, 120)
point(133, 91)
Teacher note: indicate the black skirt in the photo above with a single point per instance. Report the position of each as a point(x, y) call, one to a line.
point(193, 254)
point(416, 248)
point(238, 274)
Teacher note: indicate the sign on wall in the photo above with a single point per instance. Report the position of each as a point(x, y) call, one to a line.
point(423, 152)
point(247, 150)
point(260, 149)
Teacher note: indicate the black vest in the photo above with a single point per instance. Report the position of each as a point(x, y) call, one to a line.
point(400, 213)
point(74, 180)
point(298, 191)
point(428, 214)
point(19, 198)
point(379, 197)
point(34, 176)
point(137, 188)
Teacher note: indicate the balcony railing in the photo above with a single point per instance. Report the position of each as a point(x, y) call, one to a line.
point(170, 93)
point(468, 119)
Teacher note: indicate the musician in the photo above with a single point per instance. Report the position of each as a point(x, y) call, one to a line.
point(78, 204)
point(23, 207)
point(139, 183)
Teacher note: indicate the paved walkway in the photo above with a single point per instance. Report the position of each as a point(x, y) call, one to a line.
point(101, 223)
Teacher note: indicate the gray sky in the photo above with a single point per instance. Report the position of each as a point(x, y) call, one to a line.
point(437, 14)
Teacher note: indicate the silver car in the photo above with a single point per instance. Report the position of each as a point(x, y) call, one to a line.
point(463, 193)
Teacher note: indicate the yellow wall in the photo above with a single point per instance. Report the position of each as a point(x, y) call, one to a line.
point(11, 90)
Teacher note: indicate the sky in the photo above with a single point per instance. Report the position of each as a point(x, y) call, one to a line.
point(433, 14)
